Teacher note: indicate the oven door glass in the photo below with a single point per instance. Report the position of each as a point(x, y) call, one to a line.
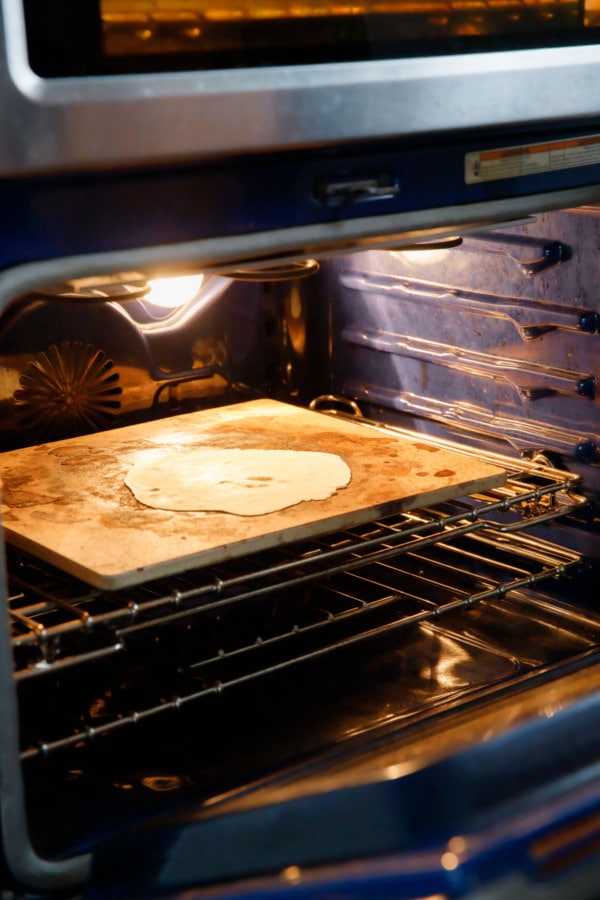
point(84, 37)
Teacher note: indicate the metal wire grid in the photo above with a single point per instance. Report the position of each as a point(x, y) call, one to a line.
point(47, 607)
point(290, 605)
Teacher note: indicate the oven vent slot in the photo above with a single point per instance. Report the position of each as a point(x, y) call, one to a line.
point(200, 633)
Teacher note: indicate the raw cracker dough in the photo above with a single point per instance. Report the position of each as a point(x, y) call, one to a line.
point(242, 482)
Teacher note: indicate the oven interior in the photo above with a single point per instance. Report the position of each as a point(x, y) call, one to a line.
point(319, 663)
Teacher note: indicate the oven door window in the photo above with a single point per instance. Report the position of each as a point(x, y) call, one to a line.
point(84, 37)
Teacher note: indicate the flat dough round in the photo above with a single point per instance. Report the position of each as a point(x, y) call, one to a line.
point(242, 482)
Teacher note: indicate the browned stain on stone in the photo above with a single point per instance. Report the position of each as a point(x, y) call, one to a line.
point(96, 459)
point(19, 499)
point(70, 451)
point(427, 447)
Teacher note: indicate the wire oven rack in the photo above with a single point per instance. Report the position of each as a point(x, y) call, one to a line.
point(259, 615)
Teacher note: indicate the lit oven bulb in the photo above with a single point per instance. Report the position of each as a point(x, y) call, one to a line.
point(169, 293)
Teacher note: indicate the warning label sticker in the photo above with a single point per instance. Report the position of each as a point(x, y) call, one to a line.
point(529, 159)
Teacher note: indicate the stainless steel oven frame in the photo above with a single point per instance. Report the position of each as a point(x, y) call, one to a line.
point(370, 135)
point(75, 124)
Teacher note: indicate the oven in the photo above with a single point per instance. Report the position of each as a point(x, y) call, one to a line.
point(222, 231)
point(403, 703)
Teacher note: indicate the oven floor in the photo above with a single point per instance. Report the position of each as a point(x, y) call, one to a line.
point(225, 742)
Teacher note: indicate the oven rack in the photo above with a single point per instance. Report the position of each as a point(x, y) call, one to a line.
point(46, 605)
point(217, 629)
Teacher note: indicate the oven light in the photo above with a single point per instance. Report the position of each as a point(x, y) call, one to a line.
point(428, 252)
point(169, 293)
point(422, 257)
point(449, 861)
point(293, 874)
